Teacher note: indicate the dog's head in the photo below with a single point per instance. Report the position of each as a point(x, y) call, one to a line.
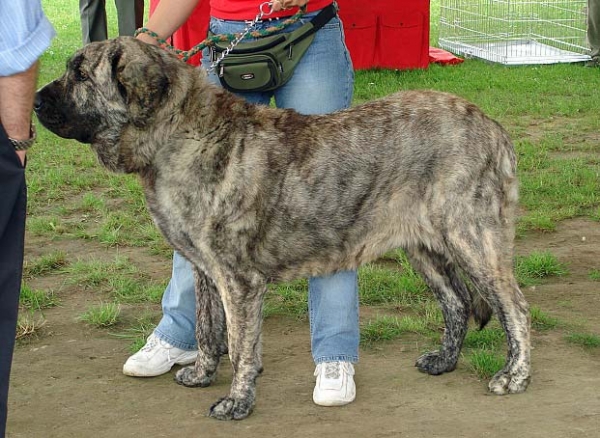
point(110, 93)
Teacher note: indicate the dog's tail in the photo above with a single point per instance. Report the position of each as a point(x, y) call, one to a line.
point(480, 309)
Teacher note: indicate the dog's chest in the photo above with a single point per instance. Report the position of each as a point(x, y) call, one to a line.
point(176, 210)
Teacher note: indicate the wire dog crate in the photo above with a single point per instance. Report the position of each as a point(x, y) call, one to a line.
point(515, 32)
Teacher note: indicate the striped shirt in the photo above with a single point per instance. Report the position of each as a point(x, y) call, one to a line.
point(25, 33)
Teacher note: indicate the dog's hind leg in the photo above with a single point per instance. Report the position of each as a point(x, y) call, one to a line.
point(242, 295)
point(453, 296)
point(210, 334)
point(487, 260)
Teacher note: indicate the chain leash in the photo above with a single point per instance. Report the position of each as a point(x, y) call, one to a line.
point(238, 39)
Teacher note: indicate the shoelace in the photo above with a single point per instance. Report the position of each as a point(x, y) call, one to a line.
point(153, 342)
point(150, 344)
point(332, 370)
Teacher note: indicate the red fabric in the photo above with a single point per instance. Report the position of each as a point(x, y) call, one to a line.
point(441, 56)
point(193, 31)
point(247, 9)
point(386, 33)
point(380, 33)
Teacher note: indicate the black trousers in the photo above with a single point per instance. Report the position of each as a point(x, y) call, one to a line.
point(13, 204)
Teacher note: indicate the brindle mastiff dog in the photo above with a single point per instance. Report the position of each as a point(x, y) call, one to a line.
point(251, 194)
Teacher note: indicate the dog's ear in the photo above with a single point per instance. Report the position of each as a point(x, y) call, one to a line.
point(140, 79)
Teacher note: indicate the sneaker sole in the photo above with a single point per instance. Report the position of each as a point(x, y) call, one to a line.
point(132, 372)
point(330, 403)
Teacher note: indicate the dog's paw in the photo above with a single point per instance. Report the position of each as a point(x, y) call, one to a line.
point(435, 363)
point(189, 377)
point(505, 382)
point(229, 408)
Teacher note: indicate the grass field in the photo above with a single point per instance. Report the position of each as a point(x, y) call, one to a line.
point(550, 111)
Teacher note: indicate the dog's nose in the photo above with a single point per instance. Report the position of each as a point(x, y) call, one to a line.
point(37, 103)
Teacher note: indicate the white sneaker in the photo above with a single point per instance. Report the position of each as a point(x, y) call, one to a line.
point(335, 384)
point(157, 357)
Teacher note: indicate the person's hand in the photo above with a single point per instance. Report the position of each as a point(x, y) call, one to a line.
point(21, 155)
point(279, 5)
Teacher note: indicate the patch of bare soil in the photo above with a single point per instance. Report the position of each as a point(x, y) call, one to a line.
point(68, 382)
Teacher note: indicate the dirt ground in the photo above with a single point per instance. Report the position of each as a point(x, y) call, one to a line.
point(67, 382)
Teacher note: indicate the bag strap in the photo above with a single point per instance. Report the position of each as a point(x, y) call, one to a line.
point(323, 17)
point(310, 28)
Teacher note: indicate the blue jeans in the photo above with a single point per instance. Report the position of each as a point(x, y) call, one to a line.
point(322, 83)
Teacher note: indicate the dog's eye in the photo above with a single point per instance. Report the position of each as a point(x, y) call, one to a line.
point(81, 75)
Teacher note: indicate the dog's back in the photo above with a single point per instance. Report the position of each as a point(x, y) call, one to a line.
point(394, 172)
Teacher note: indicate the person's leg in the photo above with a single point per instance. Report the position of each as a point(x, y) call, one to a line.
point(93, 20)
point(593, 28)
point(333, 312)
point(322, 83)
point(173, 340)
point(130, 15)
point(178, 324)
point(13, 199)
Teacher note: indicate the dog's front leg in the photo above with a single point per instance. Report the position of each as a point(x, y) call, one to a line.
point(210, 334)
point(242, 296)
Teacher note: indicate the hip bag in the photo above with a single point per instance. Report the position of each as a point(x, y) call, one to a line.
point(269, 62)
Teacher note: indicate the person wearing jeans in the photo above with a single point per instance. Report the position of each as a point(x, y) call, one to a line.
point(322, 83)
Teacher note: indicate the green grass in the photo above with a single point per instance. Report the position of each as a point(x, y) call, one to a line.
point(387, 328)
point(490, 338)
point(138, 332)
point(537, 266)
point(32, 303)
point(46, 264)
point(287, 299)
point(399, 286)
point(121, 278)
point(34, 299)
point(128, 290)
point(594, 275)
point(485, 363)
point(47, 226)
point(541, 320)
point(102, 315)
point(91, 274)
point(586, 340)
